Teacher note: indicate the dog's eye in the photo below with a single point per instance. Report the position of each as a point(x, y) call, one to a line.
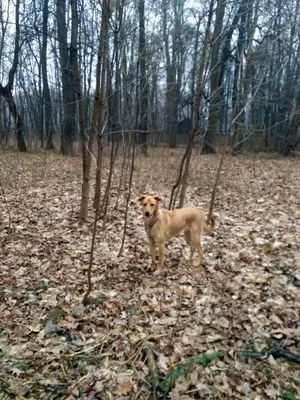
point(152, 205)
point(144, 204)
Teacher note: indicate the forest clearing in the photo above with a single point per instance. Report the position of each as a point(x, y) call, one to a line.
point(244, 298)
point(102, 103)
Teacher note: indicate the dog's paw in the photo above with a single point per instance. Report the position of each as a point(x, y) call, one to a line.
point(157, 272)
point(196, 262)
point(153, 267)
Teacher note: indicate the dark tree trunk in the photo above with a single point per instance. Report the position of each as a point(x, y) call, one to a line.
point(114, 86)
point(17, 118)
point(143, 120)
point(213, 124)
point(173, 71)
point(6, 91)
point(49, 128)
point(68, 81)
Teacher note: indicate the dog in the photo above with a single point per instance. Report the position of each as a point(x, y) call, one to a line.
point(161, 225)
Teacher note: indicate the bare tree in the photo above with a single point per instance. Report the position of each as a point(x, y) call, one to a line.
point(249, 39)
point(97, 119)
point(173, 66)
point(182, 178)
point(143, 84)
point(68, 80)
point(215, 67)
point(49, 128)
point(6, 91)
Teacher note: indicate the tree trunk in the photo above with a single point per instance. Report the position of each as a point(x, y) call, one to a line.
point(80, 103)
point(87, 145)
point(114, 97)
point(6, 91)
point(17, 118)
point(68, 81)
point(246, 33)
point(143, 98)
point(49, 128)
point(290, 97)
point(102, 98)
point(185, 165)
point(172, 95)
point(213, 124)
point(195, 63)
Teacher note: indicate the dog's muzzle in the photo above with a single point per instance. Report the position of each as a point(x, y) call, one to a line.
point(147, 213)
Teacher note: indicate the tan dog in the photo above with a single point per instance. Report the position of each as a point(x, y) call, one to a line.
point(161, 225)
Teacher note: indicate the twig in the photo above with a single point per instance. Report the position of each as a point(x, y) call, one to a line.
point(80, 380)
point(64, 372)
point(134, 357)
point(275, 352)
point(42, 313)
point(214, 192)
point(128, 196)
point(90, 285)
point(6, 203)
point(175, 325)
point(84, 351)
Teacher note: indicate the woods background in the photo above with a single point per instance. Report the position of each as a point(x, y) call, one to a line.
point(61, 62)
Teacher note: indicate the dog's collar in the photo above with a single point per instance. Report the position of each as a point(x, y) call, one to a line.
point(149, 227)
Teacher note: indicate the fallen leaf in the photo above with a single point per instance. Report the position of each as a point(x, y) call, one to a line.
point(124, 388)
point(137, 337)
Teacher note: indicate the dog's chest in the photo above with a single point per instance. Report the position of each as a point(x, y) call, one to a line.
point(148, 230)
point(151, 231)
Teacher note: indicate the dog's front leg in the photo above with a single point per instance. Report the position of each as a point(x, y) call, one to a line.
point(161, 258)
point(153, 254)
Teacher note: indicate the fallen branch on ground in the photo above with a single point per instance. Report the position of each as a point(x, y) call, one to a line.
point(167, 384)
point(275, 352)
point(153, 370)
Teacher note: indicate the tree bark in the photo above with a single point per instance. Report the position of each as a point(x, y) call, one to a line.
point(196, 112)
point(102, 98)
point(143, 120)
point(6, 91)
point(68, 81)
point(80, 103)
point(49, 128)
point(99, 101)
point(173, 78)
point(215, 69)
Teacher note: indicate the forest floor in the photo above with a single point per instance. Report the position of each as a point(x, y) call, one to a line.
point(244, 300)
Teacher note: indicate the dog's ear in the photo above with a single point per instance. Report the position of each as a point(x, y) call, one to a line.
point(157, 198)
point(141, 198)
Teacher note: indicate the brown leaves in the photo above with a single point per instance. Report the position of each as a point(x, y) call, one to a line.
point(245, 295)
point(124, 388)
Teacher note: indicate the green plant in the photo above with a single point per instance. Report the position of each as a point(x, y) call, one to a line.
point(267, 247)
point(77, 362)
point(286, 268)
point(23, 366)
point(288, 395)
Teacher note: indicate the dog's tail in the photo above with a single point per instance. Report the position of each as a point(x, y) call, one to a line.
point(210, 227)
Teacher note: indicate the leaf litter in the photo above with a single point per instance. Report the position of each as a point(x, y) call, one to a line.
point(245, 297)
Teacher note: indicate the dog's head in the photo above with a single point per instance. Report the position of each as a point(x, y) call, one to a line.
point(149, 204)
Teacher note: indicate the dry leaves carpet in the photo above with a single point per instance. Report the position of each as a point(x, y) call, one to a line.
point(244, 298)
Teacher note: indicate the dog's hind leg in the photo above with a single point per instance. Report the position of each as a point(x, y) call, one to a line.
point(196, 241)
